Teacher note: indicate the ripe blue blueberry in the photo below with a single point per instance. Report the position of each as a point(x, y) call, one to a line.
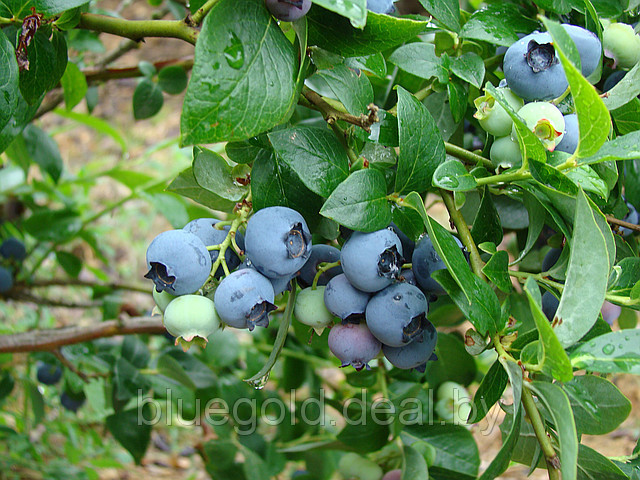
point(588, 45)
point(205, 229)
point(613, 79)
point(372, 261)
point(244, 299)
point(72, 401)
point(407, 244)
point(319, 254)
point(343, 299)
point(353, 344)
point(631, 217)
point(533, 70)
point(288, 10)
point(610, 312)
point(6, 280)
point(549, 305)
point(380, 6)
point(569, 141)
point(48, 374)
point(551, 258)
point(417, 353)
point(13, 248)
point(425, 261)
point(279, 284)
point(178, 262)
point(277, 241)
point(397, 315)
point(407, 276)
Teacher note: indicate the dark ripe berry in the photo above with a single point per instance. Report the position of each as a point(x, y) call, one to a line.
point(178, 262)
point(372, 261)
point(551, 258)
point(532, 68)
point(48, 374)
point(244, 299)
point(6, 280)
point(407, 244)
point(610, 312)
point(204, 228)
point(277, 241)
point(425, 261)
point(417, 353)
point(588, 45)
point(407, 276)
point(72, 401)
point(14, 249)
point(397, 315)
point(613, 79)
point(344, 300)
point(569, 141)
point(288, 10)
point(353, 344)
point(549, 305)
point(319, 254)
point(631, 217)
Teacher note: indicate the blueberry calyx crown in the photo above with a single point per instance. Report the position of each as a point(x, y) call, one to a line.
point(390, 263)
point(259, 315)
point(413, 330)
point(295, 3)
point(158, 275)
point(540, 56)
point(298, 241)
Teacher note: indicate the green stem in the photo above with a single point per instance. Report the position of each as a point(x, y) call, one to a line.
point(321, 269)
point(467, 156)
point(342, 138)
point(537, 423)
point(287, 352)
point(259, 379)
point(138, 29)
point(464, 232)
point(522, 174)
point(198, 16)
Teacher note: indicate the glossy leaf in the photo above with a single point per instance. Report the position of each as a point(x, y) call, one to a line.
point(421, 146)
point(172, 79)
point(9, 91)
point(315, 154)
point(498, 24)
point(489, 392)
point(496, 270)
point(595, 466)
point(352, 88)
point(413, 464)
point(147, 99)
point(615, 352)
point(469, 67)
point(447, 12)
point(354, 10)
point(420, 59)
point(44, 151)
point(213, 173)
point(254, 57)
point(627, 117)
point(486, 225)
point(186, 185)
point(625, 147)
point(452, 175)
point(130, 432)
point(47, 62)
point(53, 7)
point(74, 85)
point(625, 90)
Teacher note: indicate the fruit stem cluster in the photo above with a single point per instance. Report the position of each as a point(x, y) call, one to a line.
point(323, 267)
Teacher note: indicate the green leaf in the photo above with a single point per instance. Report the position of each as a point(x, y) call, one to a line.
point(213, 173)
point(413, 464)
point(335, 33)
point(9, 91)
point(457, 100)
point(74, 85)
point(587, 178)
point(536, 214)
point(53, 225)
point(420, 59)
point(626, 147)
point(350, 87)
point(627, 275)
point(39, 78)
point(552, 177)
point(625, 90)
point(594, 122)
point(245, 151)
point(421, 146)
point(53, 7)
point(147, 99)
point(454, 362)
point(315, 154)
point(70, 263)
point(172, 79)
point(452, 175)
point(501, 461)
point(170, 367)
point(594, 466)
point(627, 117)
point(274, 183)
point(354, 10)
point(557, 404)
point(598, 406)
point(486, 225)
point(554, 359)
point(587, 275)
point(360, 202)
point(489, 392)
point(374, 63)
point(438, 105)
point(185, 184)
point(135, 351)
point(496, 270)
point(447, 12)
point(498, 24)
point(365, 434)
point(259, 67)
point(44, 151)
point(615, 352)
point(469, 67)
point(130, 432)
point(455, 449)
point(96, 124)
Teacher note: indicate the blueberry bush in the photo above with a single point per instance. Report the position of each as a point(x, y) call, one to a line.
point(391, 222)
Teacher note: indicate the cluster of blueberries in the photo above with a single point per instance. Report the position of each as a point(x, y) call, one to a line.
point(292, 10)
point(533, 76)
point(379, 305)
point(49, 374)
point(12, 251)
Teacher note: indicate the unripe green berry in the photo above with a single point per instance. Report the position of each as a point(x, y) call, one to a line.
point(191, 319)
point(492, 117)
point(353, 466)
point(162, 299)
point(545, 121)
point(311, 310)
point(622, 44)
point(505, 152)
